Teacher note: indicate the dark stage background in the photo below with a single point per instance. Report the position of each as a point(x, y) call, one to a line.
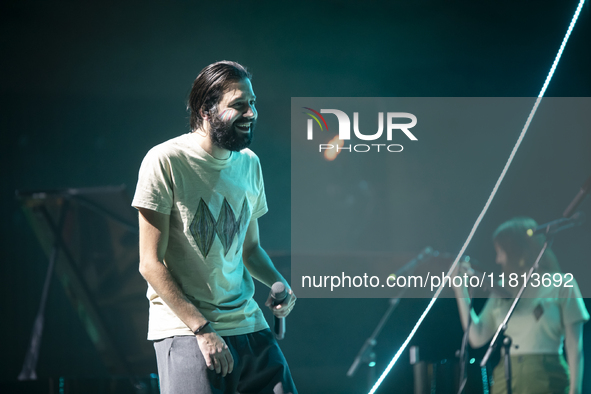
point(88, 88)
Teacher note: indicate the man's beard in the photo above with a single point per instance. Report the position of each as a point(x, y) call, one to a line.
point(224, 134)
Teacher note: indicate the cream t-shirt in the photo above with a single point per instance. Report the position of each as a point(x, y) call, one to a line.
point(210, 203)
point(537, 324)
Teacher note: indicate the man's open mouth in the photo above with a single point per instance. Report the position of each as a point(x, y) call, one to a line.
point(244, 127)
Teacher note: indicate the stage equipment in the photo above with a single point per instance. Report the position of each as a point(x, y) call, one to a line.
point(366, 354)
point(578, 198)
point(558, 225)
point(91, 237)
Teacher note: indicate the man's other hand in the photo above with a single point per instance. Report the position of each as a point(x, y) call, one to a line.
point(215, 351)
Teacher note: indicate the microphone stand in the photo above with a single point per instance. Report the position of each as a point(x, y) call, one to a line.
point(508, 376)
point(503, 326)
point(366, 354)
point(463, 356)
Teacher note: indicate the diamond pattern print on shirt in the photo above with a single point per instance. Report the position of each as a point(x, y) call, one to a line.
point(204, 227)
point(539, 311)
point(226, 226)
point(243, 219)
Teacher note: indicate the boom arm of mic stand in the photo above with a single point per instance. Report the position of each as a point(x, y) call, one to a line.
point(572, 207)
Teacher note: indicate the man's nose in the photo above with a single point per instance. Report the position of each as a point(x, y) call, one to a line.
point(251, 112)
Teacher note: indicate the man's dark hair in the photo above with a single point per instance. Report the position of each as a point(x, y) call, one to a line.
point(209, 87)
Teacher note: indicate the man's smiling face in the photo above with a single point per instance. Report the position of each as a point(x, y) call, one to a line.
point(232, 123)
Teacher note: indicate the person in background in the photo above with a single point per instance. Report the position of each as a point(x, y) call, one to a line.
point(544, 319)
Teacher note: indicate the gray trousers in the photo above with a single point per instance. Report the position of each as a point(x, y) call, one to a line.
point(259, 367)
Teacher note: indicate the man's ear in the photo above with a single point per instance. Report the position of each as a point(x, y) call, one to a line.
point(204, 113)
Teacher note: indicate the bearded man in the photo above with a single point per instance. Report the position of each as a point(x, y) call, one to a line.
point(199, 197)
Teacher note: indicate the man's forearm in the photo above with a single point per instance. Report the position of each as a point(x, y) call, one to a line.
point(158, 276)
point(260, 266)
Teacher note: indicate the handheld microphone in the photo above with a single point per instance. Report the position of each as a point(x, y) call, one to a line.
point(278, 295)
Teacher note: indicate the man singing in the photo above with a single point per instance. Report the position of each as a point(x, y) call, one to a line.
point(199, 197)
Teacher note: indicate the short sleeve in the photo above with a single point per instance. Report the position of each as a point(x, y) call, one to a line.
point(154, 189)
point(260, 206)
point(572, 305)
